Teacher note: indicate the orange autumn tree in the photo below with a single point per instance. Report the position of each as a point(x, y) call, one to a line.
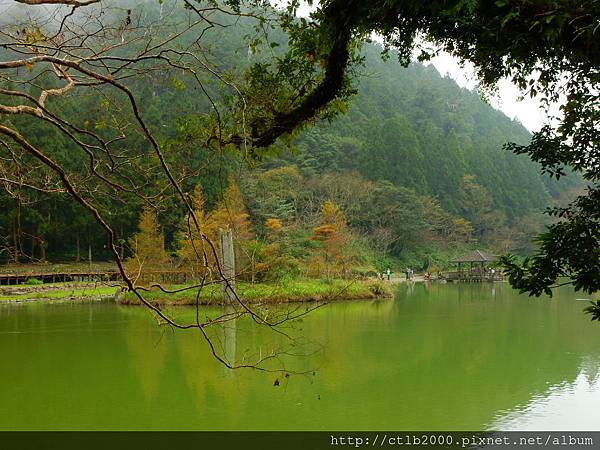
point(274, 261)
point(147, 246)
point(273, 225)
point(336, 256)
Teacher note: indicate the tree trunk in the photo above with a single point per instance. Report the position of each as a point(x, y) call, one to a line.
point(121, 245)
point(15, 244)
point(42, 244)
point(32, 254)
point(77, 248)
point(253, 266)
point(228, 267)
point(18, 238)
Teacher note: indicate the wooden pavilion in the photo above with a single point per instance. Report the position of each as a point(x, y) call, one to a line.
point(473, 267)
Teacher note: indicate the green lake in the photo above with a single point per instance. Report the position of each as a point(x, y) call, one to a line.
point(438, 357)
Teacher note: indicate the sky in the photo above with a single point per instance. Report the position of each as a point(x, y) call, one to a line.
point(528, 111)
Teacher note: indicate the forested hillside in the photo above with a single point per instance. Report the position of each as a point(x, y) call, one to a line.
point(421, 131)
point(438, 144)
point(415, 168)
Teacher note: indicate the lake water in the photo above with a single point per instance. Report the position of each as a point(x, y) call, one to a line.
point(440, 357)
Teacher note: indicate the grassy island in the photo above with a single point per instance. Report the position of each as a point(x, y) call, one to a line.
point(57, 292)
point(299, 290)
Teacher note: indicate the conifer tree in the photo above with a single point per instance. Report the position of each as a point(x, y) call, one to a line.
point(274, 262)
point(193, 250)
point(336, 237)
point(147, 244)
point(231, 214)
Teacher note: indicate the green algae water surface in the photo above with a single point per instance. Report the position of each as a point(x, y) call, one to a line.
point(437, 357)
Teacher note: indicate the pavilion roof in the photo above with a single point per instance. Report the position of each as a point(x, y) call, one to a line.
point(475, 256)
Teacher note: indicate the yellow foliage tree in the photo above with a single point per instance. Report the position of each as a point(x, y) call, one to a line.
point(232, 214)
point(147, 245)
point(239, 222)
point(193, 250)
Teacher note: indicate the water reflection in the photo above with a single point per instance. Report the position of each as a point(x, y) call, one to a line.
point(510, 351)
point(568, 406)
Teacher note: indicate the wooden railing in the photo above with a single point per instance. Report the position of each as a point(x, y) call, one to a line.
point(474, 276)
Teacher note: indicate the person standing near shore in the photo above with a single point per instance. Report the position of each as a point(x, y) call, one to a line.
point(389, 274)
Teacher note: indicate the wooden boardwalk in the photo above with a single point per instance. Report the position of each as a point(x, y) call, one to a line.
point(154, 276)
point(58, 277)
